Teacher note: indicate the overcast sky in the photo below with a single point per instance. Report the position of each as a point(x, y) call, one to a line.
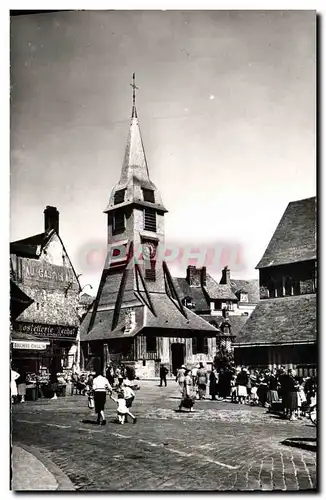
point(226, 104)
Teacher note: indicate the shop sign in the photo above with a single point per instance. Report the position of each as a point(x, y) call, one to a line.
point(21, 344)
point(46, 331)
point(45, 272)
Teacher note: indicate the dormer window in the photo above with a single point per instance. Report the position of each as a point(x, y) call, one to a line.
point(148, 195)
point(119, 196)
point(150, 219)
point(243, 297)
point(119, 224)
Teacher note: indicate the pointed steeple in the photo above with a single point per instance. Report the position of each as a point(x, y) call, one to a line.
point(134, 175)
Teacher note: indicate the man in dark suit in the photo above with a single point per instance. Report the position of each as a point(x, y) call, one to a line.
point(163, 373)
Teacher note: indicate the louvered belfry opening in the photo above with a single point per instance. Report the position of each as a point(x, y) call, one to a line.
point(150, 219)
point(118, 222)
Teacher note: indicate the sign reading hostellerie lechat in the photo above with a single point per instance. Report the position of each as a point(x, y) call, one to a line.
point(44, 331)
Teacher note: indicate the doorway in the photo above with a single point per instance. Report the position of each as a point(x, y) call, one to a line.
point(178, 356)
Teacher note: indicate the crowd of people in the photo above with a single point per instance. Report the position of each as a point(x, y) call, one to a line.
point(277, 388)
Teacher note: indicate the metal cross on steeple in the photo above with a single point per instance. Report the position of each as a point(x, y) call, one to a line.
point(133, 85)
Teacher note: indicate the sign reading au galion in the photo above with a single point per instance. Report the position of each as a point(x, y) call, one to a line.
point(42, 271)
point(46, 331)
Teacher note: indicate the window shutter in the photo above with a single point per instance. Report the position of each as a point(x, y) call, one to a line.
point(150, 219)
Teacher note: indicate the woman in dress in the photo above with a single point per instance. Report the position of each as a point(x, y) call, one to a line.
point(13, 386)
point(241, 383)
point(293, 387)
point(213, 383)
point(180, 378)
point(21, 386)
point(272, 384)
point(201, 381)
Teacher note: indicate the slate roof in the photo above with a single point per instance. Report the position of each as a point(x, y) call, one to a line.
point(28, 247)
point(237, 322)
point(167, 316)
point(251, 287)
point(171, 317)
point(294, 239)
point(281, 320)
point(217, 291)
point(196, 293)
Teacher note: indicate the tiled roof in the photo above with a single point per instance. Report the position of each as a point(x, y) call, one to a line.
point(28, 247)
point(217, 291)
point(251, 287)
point(196, 293)
point(285, 319)
point(236, 322)
point(294, 239)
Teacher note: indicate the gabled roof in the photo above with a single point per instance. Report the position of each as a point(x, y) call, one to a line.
point(285, 319)
point(196, 293)
point(236, 322)
point(251, 287)
point(294, 239)
point(31, 247)
point(217, 291)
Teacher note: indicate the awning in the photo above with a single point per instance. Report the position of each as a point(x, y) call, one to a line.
point(34, 345)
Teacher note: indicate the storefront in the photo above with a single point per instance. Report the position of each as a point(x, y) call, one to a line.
point(38, 347)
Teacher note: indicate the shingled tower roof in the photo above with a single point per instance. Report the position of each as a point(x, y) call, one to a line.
point(294, 239)
point(134, 173)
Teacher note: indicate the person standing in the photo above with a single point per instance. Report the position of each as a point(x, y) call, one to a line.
point(109, 375)
point(21, 386)
point(100, 386)
point(213, 383)
point(272, 393)
point(163, 373)
point(201, 381)
point(13, 386)
point(188, 393)
point(194, 374)
point(180, 377)
point(241, 383)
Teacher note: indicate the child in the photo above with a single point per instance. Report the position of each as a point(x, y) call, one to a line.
point(233, 390)
point(302, 400)
point(122, 410)
point(128, 395)
point(254, 395)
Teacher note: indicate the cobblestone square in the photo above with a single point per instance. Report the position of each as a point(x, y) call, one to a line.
point(220, 446)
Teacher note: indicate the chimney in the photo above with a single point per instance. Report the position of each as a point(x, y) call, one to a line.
point(203, 276)
point(196, 277)
point(226, 278)
point(51, 219)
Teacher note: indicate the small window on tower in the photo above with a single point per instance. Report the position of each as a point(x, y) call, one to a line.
point(118, 222)
point(150, 219)
point(148, 195)
point(119, 196)
point(150, 273)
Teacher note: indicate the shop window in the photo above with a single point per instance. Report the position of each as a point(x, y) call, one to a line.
point(150, 220)
point(148, 195)
point(119, 196)
point(200, 345)
point(119, 223)
point(150, 344)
